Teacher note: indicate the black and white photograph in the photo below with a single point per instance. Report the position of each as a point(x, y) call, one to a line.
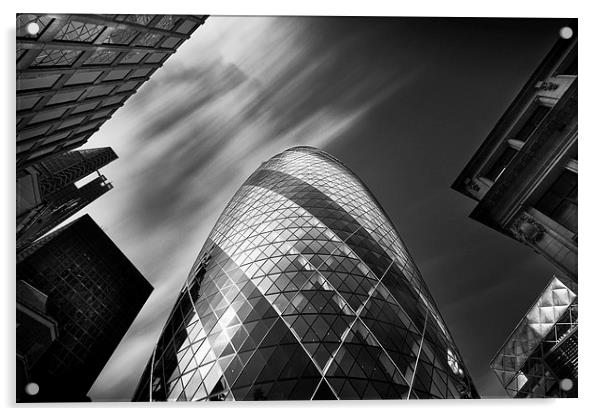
point(236, 207)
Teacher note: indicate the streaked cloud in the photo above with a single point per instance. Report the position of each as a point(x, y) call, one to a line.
point(238, 92)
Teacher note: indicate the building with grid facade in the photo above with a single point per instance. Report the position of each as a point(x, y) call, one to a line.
point(74, 71)
point(93, 293)
point(524, 175)
point(47, 194)
point(540, 358)
point(304, 290)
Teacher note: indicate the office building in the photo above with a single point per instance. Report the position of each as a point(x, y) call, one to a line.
point(47, 194)
point(75, 70)
point(36, 331)
point(540, 359)
point(80, 281)
point(524, 175)
point(302, 291)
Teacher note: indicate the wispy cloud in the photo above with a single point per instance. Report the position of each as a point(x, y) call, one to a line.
point(238, 92)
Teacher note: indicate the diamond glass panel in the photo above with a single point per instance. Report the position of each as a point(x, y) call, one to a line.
point(141, 19)
point(302, 291)
point(79, 32)
point(101, 57)
point(534, 358)
point(25, 19)
point(56, 57)
point(121, 36)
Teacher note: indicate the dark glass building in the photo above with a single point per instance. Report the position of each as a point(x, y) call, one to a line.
point(524, 174)
point(304, 290)
point(78, 280)
point(75, 70)
point(47, 194)
point(540, 358)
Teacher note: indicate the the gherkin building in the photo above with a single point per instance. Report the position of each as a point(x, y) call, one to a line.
point(304, 290)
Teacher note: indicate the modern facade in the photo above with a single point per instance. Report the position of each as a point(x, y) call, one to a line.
point(36, 331)
point(302, 291)
point(540, 359)
point(47, 194)
point(84, 285)
point(75, 70)
point(524, 175)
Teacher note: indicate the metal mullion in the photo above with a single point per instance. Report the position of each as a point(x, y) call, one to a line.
point(199, 18)
point(58, 88)
point(37, 72)
point(91, 112)
point(55, 131)
point(418, 357)
point(38, 138)
point(80, 46)
point(49, 33)
point(57, 151)
point(73, 103)
point(104, 20)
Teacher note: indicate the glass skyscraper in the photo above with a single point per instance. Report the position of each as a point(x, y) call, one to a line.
point(304, 290)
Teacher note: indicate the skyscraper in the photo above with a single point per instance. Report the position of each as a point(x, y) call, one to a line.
point(77, 278)
point(304, 290)
point(540, 357)
point(75, 70)
point(524, 175)
point(47, 194)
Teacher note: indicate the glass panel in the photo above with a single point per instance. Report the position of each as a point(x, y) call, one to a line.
point(101, 57)
point(64, 97)
point(56, 57)
point(121, 36)
point(291, 297)
point(83, 77)
point(47, 115)
point(116, 75)
point(75, 31)
point(24, 84)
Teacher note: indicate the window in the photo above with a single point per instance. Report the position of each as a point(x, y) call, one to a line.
point(170, 42)
point(560, 201)
point(64, 97)
point(79, 32)
point(155, 57)
point(47, 115)
point(83, 77)
point(494, 172)
point(101, 57)
point(116, 75)
point(26, 103)
point(121, 37)
point(25, 84)
point(186, 27)
point(56, 57)
point(531, 123)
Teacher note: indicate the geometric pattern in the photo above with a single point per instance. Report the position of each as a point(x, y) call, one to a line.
point(79, 32)
point(56, 57)
point(529, 364)
point(302, 291)
point(121, 37)
point(166, 23)
point(148, 39)
point(25, 19)
point(101, 57)
point(141, 19)
point(77, 70)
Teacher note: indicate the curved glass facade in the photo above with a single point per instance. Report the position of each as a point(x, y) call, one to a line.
point(304, 290)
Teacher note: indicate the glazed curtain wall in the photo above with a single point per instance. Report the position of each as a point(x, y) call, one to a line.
point(304, 290)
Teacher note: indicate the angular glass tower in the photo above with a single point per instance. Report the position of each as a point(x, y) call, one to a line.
point(304, 290)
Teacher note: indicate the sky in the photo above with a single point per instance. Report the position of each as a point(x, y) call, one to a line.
point(403, 102)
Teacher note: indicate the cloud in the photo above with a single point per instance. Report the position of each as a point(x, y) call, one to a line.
point(238, 92)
